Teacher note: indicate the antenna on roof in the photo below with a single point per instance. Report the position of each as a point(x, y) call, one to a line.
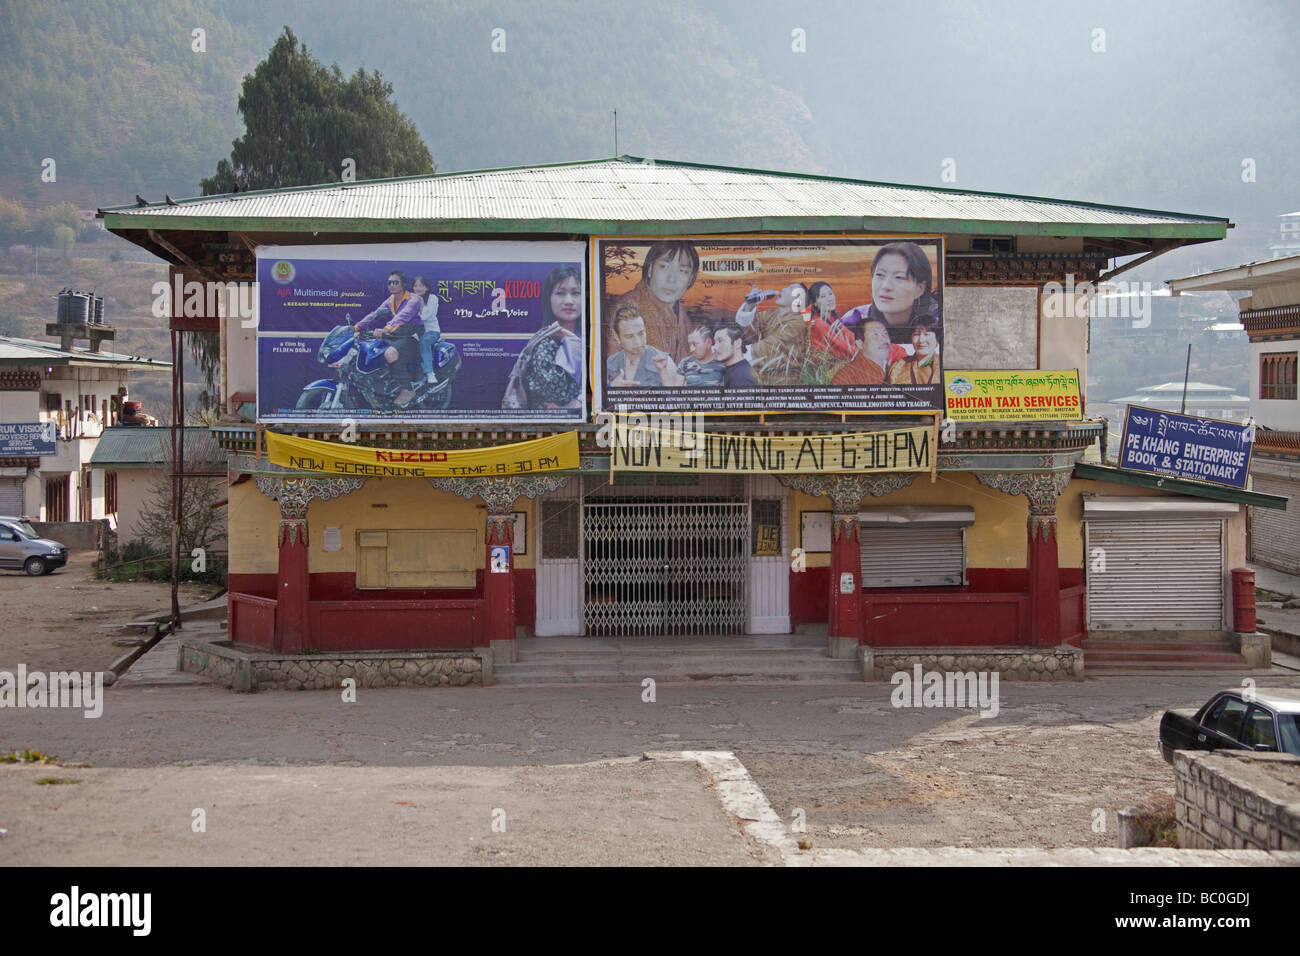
point(615, 132)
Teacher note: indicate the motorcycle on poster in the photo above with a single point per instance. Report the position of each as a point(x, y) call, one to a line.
point(421, 332)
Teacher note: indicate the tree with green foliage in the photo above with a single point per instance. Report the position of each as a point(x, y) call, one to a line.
point(13, 221)
point(65, 237)
point(303, 121)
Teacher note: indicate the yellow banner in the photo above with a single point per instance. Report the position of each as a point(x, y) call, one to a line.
point(1013, 395)
point(639, 448)
point(554, 453)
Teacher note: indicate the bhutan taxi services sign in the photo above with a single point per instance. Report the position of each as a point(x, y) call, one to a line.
point(553, 453)
point(1184, 446)
point(422, 332)
point(1007, 395)
point(637, 448)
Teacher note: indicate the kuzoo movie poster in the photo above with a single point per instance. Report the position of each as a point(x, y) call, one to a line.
point(422, 332)
point(769, 324)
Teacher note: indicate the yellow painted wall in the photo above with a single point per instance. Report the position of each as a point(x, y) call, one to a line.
point(381, 504)
point(995, 540)
point(396, 504)
point(254, 525)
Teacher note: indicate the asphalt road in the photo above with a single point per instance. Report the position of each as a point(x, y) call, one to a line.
point(855, 770)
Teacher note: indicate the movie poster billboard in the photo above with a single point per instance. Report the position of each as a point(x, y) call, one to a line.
point(765, 324)
point(456, 332)
point(1187, 446)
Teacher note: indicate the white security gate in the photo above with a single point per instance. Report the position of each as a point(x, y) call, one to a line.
point(1155, 573)
point(656, 566)
point(1274, 534)
point(559, 561)
point(769, 563)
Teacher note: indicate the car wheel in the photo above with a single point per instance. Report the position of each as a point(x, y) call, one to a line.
point(34, 566)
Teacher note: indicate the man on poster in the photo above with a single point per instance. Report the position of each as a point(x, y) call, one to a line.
point(778, 356)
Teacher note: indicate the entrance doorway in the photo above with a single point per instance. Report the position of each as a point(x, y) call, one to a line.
point(664, 566)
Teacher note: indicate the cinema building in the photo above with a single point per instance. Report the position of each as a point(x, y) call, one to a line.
point(504, 511)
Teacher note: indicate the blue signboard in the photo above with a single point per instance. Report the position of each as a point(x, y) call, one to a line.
point(1184, 446)
point(27, 441)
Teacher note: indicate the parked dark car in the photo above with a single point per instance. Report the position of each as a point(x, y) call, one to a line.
point(1267, 720)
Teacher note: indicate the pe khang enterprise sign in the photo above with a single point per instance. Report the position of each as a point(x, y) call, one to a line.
point(1184, 446)
point(768, 323)
point(449, 332)
point(27, 440)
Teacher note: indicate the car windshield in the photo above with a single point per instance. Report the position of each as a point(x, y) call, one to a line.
point(24, 529)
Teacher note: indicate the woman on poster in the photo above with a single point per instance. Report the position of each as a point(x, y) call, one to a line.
point(548, 372)
point(901, 281)
point(922, 366)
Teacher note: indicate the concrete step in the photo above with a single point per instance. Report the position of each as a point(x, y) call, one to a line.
point(1136, 665)
point(631, 667)
point(676, 652)
point(1093, 658)
point(1093, 645)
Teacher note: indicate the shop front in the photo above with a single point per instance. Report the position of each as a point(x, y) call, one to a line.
point(886, 408)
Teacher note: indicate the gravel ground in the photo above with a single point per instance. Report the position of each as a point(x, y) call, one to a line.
point(68, 620)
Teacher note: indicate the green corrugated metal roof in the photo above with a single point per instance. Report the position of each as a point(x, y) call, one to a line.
point(126, 446)
point(628, 196)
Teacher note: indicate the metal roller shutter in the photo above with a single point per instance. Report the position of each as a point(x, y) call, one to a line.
point(11, 497)
point(912, 557)
point(1159, 573)
point(1275, 535)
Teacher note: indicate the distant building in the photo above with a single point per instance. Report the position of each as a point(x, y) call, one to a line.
point(78, 391)
point(141, 459)
point(1203, 399)
point(1271, 316)
point(1288, 243)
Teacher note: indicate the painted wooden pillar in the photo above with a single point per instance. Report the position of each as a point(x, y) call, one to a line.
point(1044, 575)
point(500, 495)
point(499, 578)
point(292, 627)
point(293, 578)
point(845, 624)
point(846, 584)
point(1042, 557)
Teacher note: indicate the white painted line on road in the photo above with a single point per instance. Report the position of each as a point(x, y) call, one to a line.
point(742, 798)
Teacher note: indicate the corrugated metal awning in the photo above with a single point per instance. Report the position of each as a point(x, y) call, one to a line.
point(1122, 509)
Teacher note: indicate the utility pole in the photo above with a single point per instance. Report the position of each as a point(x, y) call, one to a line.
point(1186, 373)
point(615, 132)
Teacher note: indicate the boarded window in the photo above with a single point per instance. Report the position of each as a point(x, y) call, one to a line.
point(418, 559)
point(766, 527)
point(559, 529)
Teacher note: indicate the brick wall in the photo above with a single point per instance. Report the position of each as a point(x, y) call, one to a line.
point(1237, 800)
